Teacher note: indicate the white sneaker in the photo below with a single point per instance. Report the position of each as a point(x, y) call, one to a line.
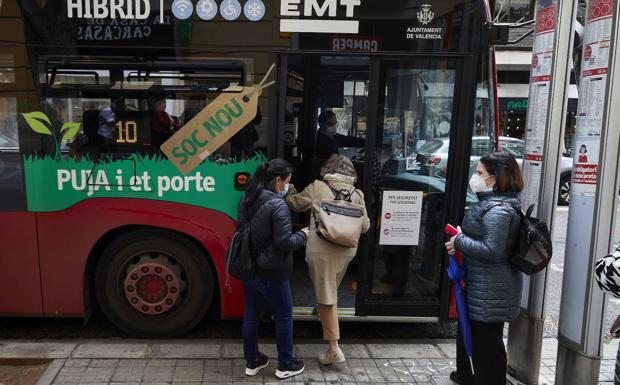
point(331, 357)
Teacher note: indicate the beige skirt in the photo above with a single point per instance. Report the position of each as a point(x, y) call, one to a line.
point(327, 272)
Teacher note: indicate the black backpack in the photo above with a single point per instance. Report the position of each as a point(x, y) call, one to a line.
point(534, 247)
point(241, 256)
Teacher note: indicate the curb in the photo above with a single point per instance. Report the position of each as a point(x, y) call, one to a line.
point(52, 371)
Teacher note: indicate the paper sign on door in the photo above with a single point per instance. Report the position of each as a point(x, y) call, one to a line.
point(401, 214)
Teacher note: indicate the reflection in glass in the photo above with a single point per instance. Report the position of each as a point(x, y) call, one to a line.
point(412, 148)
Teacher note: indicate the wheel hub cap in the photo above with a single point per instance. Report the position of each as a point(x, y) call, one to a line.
point(153, 285)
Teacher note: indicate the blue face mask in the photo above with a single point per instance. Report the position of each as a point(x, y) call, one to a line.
point(283, 192)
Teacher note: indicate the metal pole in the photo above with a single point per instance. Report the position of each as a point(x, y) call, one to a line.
point(593, 198)
point(549, 79)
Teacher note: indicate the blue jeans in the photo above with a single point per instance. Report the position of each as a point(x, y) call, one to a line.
point(277, 294)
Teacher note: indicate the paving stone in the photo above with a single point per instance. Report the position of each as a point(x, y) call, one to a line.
point(549, 349)
point(349, 350)
point(187, 383)
point(69, 375)
point(404, 351)
point(159, 374)
point(218, 373)
point(359, 374)
point(107, 350)
point(155, 383)
point(92, 383)
point(232, 351)
point(312, 373)
point(374, 374)
point(51, 372)
point(132, 363)
point(30, 350)
point(77, 363)
point(611, 349)
point(124, 374)
point(103, 363)
point(448, 350)
point(97, 374)
point(154, 362)
point(192, 350)
point(238, 375)
point(124, 383)
point(368, 362)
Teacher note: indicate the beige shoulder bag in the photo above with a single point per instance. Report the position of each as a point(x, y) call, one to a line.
point(339, 220)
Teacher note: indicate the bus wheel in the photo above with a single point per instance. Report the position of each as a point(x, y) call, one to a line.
point(153, 283)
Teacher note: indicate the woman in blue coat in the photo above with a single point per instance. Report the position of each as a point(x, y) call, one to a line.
point(493, 285)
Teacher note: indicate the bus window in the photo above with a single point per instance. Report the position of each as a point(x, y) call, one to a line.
point(12, 194)
point(125, 107)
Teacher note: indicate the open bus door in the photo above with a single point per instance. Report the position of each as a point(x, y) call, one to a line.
point(390, 112)
point(420, 128)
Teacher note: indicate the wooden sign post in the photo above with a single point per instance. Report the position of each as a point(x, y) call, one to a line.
point(214, 126)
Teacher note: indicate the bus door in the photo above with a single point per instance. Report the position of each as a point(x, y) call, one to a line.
point(415, 118)
point(318, 84)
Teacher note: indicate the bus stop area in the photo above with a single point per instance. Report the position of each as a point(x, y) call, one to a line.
point(201, 362)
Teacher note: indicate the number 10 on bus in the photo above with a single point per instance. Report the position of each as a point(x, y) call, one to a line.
point(127, 132)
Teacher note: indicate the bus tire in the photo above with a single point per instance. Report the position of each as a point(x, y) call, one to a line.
point(154, 283)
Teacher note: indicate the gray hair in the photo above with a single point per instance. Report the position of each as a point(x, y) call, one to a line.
point(338, 164)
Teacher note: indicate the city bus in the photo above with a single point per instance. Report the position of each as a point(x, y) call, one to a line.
point(97, 218)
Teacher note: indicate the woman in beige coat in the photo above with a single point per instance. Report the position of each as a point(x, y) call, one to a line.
point(327, 261)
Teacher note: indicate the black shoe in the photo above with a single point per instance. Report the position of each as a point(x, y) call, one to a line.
point(289, 370)
point(253, 367)
point(454, 377)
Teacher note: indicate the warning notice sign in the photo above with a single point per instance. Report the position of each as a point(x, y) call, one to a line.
point(401, 214)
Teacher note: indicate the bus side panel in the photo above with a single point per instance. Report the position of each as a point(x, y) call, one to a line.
point(68, 236)
point(20, 282)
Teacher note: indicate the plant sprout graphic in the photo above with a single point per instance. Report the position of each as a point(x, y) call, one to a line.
point(40, 123)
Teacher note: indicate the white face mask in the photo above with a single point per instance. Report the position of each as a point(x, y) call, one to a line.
point(478, 184)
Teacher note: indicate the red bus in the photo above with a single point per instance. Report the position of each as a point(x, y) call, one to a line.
point(95, 217)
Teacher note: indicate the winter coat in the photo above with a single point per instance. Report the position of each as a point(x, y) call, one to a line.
point(607, 273)
point(310, 199)
point(492, 283)
point(327, 262)
point(271, 233)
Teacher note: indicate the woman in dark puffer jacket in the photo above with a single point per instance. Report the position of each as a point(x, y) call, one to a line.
point(274, 241)
point(493, 284)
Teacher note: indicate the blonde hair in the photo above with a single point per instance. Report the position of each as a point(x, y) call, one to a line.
point(338, 164)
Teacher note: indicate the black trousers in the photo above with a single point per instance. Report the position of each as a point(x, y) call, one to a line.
point(489, 355)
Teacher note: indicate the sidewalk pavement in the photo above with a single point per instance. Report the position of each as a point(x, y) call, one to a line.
point(220, 362)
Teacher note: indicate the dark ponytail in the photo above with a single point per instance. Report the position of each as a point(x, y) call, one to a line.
point(265, 173)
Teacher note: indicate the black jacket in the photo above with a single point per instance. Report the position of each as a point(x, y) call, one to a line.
point(271, 232)
point(325, 145)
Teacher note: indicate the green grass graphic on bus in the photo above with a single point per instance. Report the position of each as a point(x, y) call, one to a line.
point(58, 184)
